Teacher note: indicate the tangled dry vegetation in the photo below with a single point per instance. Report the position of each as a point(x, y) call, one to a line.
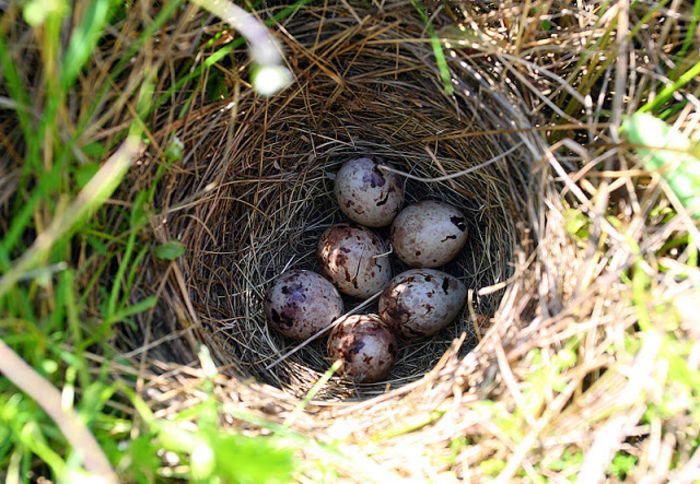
point(581, 264)
point(540, 371)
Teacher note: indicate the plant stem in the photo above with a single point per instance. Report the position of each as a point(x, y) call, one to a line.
point(49, 398)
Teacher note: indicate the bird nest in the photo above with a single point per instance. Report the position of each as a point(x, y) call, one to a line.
point(579, 338)
point(262, 171)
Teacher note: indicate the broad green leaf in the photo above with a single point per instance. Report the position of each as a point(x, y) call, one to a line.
point(251, 459)
point(143, 461)
point(576, 224)
point(169, 250)
point(670, 152)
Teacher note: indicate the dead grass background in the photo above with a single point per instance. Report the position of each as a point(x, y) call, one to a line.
point(252, 193)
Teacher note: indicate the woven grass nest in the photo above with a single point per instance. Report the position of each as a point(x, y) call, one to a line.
point(268, 167)
point(254, 192)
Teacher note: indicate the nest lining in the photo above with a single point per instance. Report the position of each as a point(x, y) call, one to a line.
point(266, 170)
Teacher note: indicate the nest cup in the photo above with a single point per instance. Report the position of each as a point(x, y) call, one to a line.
point(262, 173)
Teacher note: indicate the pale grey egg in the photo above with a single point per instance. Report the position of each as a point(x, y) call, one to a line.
point(420, 302)
point(300, 303)
point(365, 346)
point(354, 259)
point(428, 234)
point(368, 195)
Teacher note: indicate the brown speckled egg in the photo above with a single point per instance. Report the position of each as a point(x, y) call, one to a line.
point(349, 256)
point(366, 194)
point(365, 346)
point(428, 234)
point(421, 302)
point(300, 303)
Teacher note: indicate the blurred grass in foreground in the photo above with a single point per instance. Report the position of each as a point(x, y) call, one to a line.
point(59, 242)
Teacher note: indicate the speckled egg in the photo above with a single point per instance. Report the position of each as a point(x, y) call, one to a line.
point(428, 234)
point(421, 302)
point(368, 195)
point(300, 303)
point(351, 257)
point(365, 346)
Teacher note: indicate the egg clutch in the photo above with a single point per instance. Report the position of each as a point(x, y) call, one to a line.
point(355, 261)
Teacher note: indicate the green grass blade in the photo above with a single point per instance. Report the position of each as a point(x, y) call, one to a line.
point(411, 424)
point(223, 52)
point(313, 392)
point(667, 92)
point(437, 49)
point(20, 96)
point(114, 294)
point(133, 272)
point(94, 194)
point(688, 40)
point(163, 15)
point(48, 397)
point(141, 306)
point(83, 40)
point(23, 218)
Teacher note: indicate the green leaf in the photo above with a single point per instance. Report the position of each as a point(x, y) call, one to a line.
point(169, 250)
point(491, 467)
point(97, 245)
point(251, 459)
point(670, 152)
point(668, 91)
point(173, 437)
point(208, 365)
point(622, 464)
point(577, 224)
point(141, 459)
point(202, 462)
